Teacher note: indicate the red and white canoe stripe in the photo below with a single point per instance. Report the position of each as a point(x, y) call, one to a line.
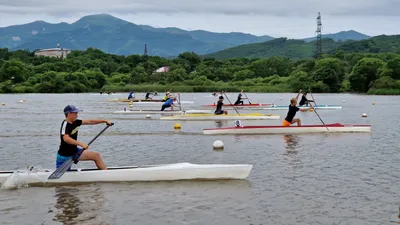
point(334, 128)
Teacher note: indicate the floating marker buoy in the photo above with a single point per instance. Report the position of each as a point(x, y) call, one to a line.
point(363, 98)
point(311, 110)
point(24, 100)
point(364, 115)
point(148, 116)
point(344, 101)
point(280, 98)
point(177, 126)
point(218, 145)
point(20, 101)
point(3, 104)
point(373, 103)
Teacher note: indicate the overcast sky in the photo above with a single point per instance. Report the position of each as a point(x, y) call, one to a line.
point(277, 18)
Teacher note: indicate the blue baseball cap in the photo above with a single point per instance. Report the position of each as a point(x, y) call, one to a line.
point(71, 109)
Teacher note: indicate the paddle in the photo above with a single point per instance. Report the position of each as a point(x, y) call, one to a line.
point(315, 104)
point(179, 101)
point(231, 104)
point(247, 97)
point(75, 159)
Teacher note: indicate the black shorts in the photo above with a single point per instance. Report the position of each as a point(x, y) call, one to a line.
point(164, 107)
point(219, 112)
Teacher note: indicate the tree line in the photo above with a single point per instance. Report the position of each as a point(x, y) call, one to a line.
point(94, 71)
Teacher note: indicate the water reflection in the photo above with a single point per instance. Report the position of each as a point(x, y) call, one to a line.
point(220, 123)
point(76, 205)
point(292, 142)
point(68, 204)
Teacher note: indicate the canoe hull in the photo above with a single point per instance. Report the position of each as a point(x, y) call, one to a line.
point(203, 117)
point(332, 128)
point(285, 107)
point(168, 172)
point(161, 112)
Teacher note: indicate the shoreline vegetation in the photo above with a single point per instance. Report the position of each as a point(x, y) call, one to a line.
point(95, 71)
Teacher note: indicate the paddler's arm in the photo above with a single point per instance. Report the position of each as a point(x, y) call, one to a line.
point(96, 121)
point(298, 94)
point(72, 141)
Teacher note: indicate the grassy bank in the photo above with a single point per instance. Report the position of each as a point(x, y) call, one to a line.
point(384, 92)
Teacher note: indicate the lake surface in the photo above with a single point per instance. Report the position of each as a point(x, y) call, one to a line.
point(296, 179)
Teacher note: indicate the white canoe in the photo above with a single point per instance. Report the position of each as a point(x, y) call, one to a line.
point(202, 117)
point(332, 128)
point(167, 111)
point(285, 107)
point(178, 171)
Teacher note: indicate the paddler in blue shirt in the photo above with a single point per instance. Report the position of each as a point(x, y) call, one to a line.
point(169, 103)
point(130, 95)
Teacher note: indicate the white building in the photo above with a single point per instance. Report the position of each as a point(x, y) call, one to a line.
point(53, 52)
point(163, 69)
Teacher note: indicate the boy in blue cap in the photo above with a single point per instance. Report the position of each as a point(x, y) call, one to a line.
point(69, 135)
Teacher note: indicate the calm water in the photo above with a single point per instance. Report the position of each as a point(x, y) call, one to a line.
point(299, 179)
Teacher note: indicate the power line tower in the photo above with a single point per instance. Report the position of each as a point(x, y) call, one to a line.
point(318, 32)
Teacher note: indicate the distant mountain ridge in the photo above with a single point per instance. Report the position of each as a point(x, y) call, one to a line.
point(117, 36)
point(342, 36)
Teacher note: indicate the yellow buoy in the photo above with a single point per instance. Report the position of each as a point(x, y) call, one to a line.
point(177, 126)
point(311, 110)
point(3, 104)
point(24, 100)
point(373, 103)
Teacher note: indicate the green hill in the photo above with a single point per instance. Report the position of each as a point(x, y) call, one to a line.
point(295, 49)
point(278, 47)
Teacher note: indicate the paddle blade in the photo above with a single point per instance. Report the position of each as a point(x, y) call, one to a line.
point(61, 170)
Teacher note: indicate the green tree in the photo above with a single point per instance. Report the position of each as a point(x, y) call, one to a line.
point(364, 72)
point(331, 72)
point(14, 70)
point(243, 75)
point(192, 58)
point(300, 80)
